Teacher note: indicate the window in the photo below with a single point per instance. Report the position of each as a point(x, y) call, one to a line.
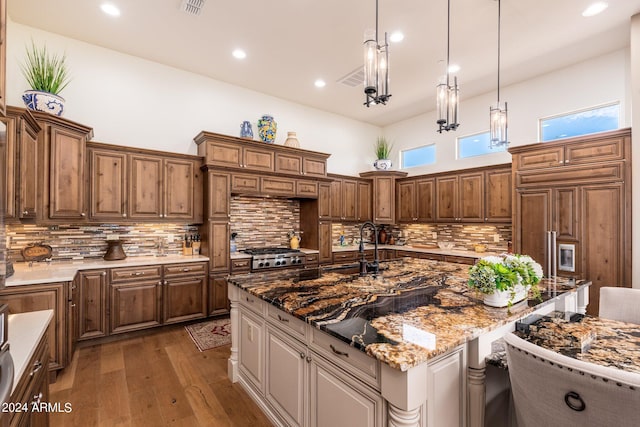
point(591, 120)
point(425, 155)
point(476, 145)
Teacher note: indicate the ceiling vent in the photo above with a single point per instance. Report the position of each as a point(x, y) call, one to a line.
point(192, 7)
point(354, 78)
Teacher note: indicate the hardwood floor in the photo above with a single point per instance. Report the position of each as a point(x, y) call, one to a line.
point(159, 379)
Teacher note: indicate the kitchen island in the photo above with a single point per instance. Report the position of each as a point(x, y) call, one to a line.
point(404, 348)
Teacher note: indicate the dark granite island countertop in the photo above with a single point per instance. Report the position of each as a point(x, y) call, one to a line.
point(413, 311)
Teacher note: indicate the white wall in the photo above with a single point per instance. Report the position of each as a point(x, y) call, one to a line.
point(134, 102)
point(597, 81)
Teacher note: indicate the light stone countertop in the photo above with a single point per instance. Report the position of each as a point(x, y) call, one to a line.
point(25, 332)
point(65, 271)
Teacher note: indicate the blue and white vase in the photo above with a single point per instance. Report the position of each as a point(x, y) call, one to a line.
point(245, 130)
point(382, 164)
point(267, 129)
point(43, 101)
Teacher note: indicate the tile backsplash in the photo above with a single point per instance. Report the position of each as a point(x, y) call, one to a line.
point(81, 242)
point(262, 222)
point(464, 236)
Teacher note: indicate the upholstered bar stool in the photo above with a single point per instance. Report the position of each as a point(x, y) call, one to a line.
point(621, 304)
point(550, 389)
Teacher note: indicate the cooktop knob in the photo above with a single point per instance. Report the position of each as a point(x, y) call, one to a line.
point(284, 262)
point(266, 264)
point(261, 264)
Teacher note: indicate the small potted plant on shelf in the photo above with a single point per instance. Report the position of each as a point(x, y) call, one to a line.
point(382, 149)
point(47, 75)
point(505, 279)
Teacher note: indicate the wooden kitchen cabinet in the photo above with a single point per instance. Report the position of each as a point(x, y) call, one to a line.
point(344, 198)
point(92, 310)
point(108, 184)
point(585, 200)
point(415, 200)
point(384, 195)
point(325, 246)
point(216, 246)
point(145, 198)
point(32, 389)
point(460, 198)
point(363, 206)
point(21, 185)
point(232, 154)
point(135, 305)
point(185, 292)
point(324, 200)
point(498, 195)
point(218, 301)
point(50, 296)
point(62, 155)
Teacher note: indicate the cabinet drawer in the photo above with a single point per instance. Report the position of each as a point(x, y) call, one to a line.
point(288, 163)
point(460, 259)
point(311, 259)
point(279, 186)
point(287, 323)
point(185, 269)
point(245, 183)
point(125, 274)
point(348, 358)
point(36, 367)
point(240, 265)
point(345, 256)
point(252, 302)
point(306, 189)
point(410, 254)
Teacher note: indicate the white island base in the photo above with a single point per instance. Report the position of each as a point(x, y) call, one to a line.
point(301, 376)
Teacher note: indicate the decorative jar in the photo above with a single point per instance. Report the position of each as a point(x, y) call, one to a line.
point(382, 164)
point(292, 140)
point(245, 130)
point(267, 128)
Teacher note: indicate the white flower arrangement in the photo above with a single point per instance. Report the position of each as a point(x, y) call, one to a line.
point(504, 273)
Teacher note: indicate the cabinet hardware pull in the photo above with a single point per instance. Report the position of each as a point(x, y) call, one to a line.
point(25, 212)
point(301, 355)
point(83, 214)
point(137, 273)
point(36, 367)
point(104, 273)
point(124, 215)
point(166, 282)
point(338, 352)
point(186, 269)
point(560, 162)
point(73, 305)
point(282, 319)
point(160, 282)
point(249, 300)
point(308, 359)
point(37, 397)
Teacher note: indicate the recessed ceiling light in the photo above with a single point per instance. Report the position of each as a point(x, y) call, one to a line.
point(595, 8)
point(320, 83)
point(110, 9)
point(396, 37)
point(454, 68)
point(239, 54)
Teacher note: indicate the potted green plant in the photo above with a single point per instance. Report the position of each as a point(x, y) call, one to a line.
point(47, 75)
point(505, 279)
point(382, 150)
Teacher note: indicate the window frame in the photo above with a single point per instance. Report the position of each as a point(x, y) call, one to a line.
point(541, 120)
point(433, 144)
point(471, 135)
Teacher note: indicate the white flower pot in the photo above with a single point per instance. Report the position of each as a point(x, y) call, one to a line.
point(382, 164)
point(501, 298)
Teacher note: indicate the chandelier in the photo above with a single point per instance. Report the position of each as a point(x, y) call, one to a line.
point(498, 114)
point(376, 67)
point(446, 93)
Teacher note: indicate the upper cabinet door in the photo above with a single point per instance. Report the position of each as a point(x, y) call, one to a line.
point(425, 199)
point(447, 198)
point(108, 183)
point(364, 201)
point(67, 180)
point(498, 190)
point(178, 188)
point(471, 193)
point(145, 197)
point(27, 170)
point(406, 204)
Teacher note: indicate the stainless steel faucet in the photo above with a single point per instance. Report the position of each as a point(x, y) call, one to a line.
point(366, 267)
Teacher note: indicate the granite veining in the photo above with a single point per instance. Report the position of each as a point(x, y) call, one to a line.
point(591, 339)
point(413, 311)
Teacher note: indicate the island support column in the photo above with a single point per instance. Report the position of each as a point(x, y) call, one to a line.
point(477, 395)
point(232, 363)
point(406, 394)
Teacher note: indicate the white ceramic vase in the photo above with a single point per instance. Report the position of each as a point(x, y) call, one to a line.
point(292, 140)
point(43, 101)
point(501, 298)
point(382, 164)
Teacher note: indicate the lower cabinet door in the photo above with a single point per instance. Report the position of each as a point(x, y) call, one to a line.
point(338, 400)
point(218, 300)
point(286, 378)
point(135, 306)
point(185, 299)
point(251, 351)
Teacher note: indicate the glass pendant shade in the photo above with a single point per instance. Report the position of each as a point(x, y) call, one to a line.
point(453, 104)
point(498, 126)
point(370, 63)
point(447, 95)
point(442, 96)
point(383, 70)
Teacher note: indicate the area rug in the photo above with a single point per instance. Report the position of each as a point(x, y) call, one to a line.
point(210, 334)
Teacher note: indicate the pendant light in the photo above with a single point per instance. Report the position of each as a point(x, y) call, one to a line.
point(376, 67)
point(447, 94)
point(498, 114)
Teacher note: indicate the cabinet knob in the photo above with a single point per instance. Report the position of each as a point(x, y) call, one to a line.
point(73, 305)
point(166, 282)
point(160, 282)
point(160, 215)
point(308, 359)
point(301, 355)
point(36, 367)
point(25, 212)
point(566, 161)
point(124, 215)
point(560, 162)
point(186, 269)
point(82, 214)
point(104, 273)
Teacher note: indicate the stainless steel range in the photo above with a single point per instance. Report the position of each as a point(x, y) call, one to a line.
point(267, 258)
